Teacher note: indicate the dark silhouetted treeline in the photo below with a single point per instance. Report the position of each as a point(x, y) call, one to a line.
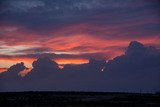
point(108, 99)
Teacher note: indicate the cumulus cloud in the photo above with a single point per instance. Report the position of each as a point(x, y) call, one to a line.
point(137, 56)
point(14, 70)
point(138, 69)
point(43, 74)
point(44, 64)
point(11, 78)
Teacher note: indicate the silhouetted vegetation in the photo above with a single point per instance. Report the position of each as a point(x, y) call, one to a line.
point(78, 99)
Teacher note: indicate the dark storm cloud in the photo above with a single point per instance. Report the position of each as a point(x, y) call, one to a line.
point(136, 57)
point(20, 5)
point(11, 77)
point(43, 67)
point(36, 15)
point(14, 70)
point(138, 69)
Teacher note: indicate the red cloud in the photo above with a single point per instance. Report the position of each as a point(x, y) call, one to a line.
point(73, 39)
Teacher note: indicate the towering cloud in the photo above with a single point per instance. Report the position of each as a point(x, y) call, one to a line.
point(138, 69)
point(43, 67)
point(11, 79)
point(137, 56)
point(44, 64)
point(14, 70)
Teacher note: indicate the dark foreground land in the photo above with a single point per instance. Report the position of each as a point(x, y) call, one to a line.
point(80, 99)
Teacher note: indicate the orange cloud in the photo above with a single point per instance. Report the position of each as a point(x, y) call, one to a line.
point(73, 39)
point(7, 62)
point(25, 71)
point(71, 61)
point(3, 70)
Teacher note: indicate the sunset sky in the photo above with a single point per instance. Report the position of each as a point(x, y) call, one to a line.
point(73, 31)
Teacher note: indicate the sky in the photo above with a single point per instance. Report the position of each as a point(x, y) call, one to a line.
point(73, 31)
point(49, 44)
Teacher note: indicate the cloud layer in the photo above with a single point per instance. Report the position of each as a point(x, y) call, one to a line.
point(138, 69)
point(74, 27)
